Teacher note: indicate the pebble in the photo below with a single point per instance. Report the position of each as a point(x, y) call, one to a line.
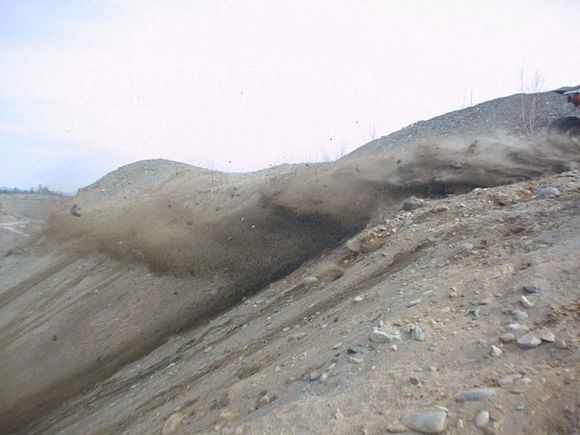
point(507, 338)
point(526, 303)
point(517, 327)
point(378, 336)
point(560, 344)
point(475, 395)
point(520, 315)
point(412, 203)
point(413, 303)
point(394, 347)
point(508, 379)
point(323, 377)
point(418, 334)
point(172, 423)
point(547, 336)
point(356, 360)
point(547, 192)
point(481, 419)
point(523, 381)
point(396, 428)
point(359, 299)
point(520, 407)
point(338, 415)
point(430, 421)
point(495, 351)
point(528, 341)
point(354, 245)
point(530, 289)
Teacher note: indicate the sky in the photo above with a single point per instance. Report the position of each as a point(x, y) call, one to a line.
point(87, 86)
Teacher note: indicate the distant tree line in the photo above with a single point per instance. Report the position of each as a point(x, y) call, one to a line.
point(40, 189)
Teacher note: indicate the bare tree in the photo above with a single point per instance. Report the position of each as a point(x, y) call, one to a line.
point(530, 99)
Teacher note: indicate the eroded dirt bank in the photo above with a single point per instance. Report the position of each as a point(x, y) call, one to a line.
point(162, 247)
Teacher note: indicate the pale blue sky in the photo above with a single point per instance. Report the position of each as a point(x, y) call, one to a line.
point(238, 85)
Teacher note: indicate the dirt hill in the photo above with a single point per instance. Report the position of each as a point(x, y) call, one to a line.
point(245, 303)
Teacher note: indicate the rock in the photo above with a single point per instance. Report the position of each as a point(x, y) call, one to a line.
point(475, 395)
point(338, 415)
point(413, 303)
point(413, 203)
point(354, 245)
point(228, 416)
point(310, 280)
point(172, 423)
point(526, 303)
point(520, 315)
point(523, 381)
point(396, 428)
point(547, 336)
point(507, 338)
point(517, 327)
point(430, 421)
point(378, 336)
point(359, 299)
point(560, 344)
point(417, 333)
point(495, 351)
point(520, 407)
point(547, 192)
point(356, 359)
point(76, 211)
point(481, 419)
point(530, 289)
point(528, 341)
point(508, 379)
point(323, 377)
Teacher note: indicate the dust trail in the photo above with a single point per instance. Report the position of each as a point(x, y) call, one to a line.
point(179, 250)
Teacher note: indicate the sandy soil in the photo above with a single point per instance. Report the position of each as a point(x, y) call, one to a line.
point(180, 300)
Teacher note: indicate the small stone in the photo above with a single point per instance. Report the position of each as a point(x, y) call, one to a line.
point(481, 419)
point(460, 424)
point(520, 407)
point(526, 303)
point(507, 338)
point(413, 303)
point(475, 395)
point(547, 336)
point(396, 428)
point(394, 347)
point(560, 344)
point(228, 416)
point(172, 423)
point(508, 379)
point(417, 333)
point(359, 299)
point(430, 421)
point(517, 327)
point(414, 380)
point(520, 315)
point(310, 280)
point(528, 341)
point(523, 381)
point(378, 336)
point(547, 192)
point(338, 415)
point(495, 351)
point(354, 245)
point(323, 377)
point(337, 346)
point(530, 289)
point(356, 360)
point(412, 203)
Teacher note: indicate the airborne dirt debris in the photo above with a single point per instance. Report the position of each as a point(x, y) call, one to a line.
point(188, 301)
